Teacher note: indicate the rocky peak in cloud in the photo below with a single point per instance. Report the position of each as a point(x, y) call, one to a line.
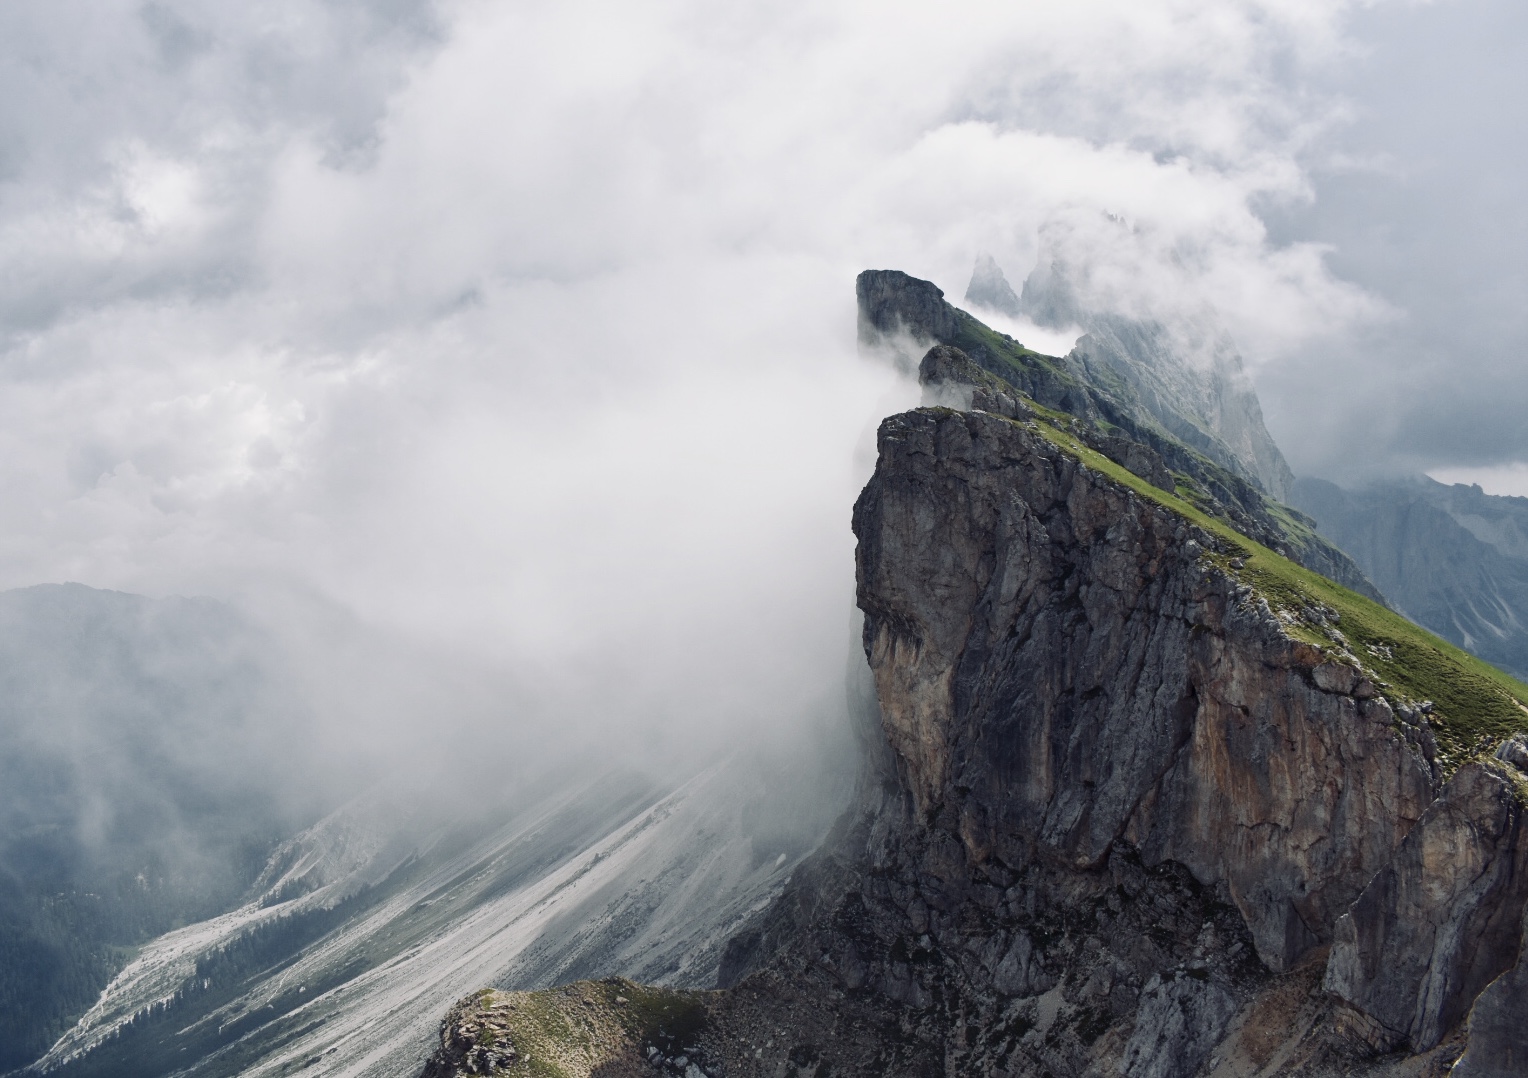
point(1172, 349)
point(990, 288)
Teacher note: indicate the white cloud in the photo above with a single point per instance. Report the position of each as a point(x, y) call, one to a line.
point(528, 328)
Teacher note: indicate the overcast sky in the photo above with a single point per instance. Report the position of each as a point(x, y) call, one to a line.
point(528, 327)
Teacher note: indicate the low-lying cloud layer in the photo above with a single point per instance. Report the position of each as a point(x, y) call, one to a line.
point(526, 331)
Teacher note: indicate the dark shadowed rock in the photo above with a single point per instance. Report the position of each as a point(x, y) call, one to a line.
point(893, 304)
point(1498, 1032)
point(1058, 670)
point(950, 379)
point(1443, 919)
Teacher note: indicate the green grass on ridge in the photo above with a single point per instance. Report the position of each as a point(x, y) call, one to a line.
point(1475, 704)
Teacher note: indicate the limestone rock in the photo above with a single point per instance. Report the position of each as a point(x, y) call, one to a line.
point(895, 305)
point(951, 379)
point(1336, 677)
point(989, 288)
point(1057, 673)
point(1138, 458)
point(1179, 1022)
point(1514, 751)
point(1498, 1034)
point(1443, 918)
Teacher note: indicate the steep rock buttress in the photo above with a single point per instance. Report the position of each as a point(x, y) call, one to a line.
point(1122, 815)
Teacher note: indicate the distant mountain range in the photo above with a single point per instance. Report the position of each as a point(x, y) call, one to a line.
point(1452, 558)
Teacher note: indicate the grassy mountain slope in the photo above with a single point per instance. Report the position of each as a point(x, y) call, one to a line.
point(1474, 705)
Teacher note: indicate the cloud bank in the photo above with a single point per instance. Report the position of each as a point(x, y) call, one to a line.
point(526, 331)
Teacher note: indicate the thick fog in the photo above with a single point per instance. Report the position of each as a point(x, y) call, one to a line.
point(516, 342)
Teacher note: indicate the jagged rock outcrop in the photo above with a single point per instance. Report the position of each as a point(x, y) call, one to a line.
point(1059, 669)
point(989, 288)
point(1498, 1036)
point(902, 316)
point(893, 305)
point(1186, 370)
point(950, 378)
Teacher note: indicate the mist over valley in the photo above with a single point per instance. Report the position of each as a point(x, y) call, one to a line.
point(782, 539)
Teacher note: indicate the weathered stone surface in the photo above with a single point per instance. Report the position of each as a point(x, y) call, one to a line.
point(1140, 459)
point(1498, 1034)
point(1178, 1024)
point(951, 379)
point(1336, 677)
point(893, 304)
point(1443, 918)
point(1514, 751)
point(1057, 670)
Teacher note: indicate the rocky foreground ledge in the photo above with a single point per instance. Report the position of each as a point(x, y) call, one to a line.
point(1144, 799)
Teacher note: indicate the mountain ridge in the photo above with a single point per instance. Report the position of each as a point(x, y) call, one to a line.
point(1147, 797)
point(900, 315)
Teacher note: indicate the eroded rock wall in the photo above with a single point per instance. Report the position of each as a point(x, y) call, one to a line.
point(1442, 919)
point(1122, 808)
point(1060, 668)
point(1115, 811)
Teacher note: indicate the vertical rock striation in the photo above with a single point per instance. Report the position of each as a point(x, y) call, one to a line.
point(1061, 669)
point(1125, 804)
point(1134, 804)
point(1442, 919)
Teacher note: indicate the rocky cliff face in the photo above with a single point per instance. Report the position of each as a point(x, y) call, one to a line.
point(989, 288)
point(1139, 801)
point(901, 316)
point(1442, 919)
point(1133, 820)
point(1060, 669)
